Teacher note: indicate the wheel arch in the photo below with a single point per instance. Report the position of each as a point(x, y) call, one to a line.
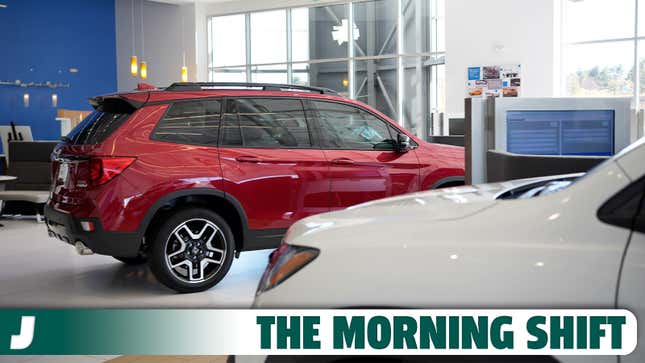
point(216, 200)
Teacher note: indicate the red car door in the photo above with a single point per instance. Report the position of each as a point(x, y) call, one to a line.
point(270, 162)
point(360, 148)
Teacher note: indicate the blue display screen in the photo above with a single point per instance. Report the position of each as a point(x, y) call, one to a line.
point(572, 132)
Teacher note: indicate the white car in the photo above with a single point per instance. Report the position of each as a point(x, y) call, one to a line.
point(556, 242)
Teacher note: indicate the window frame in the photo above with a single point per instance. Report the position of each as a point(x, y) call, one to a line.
point(171, 104)
point(313, 137)
point(561, 77)
point(434, 11)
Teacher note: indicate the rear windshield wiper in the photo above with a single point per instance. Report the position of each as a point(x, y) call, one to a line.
point(66, 139)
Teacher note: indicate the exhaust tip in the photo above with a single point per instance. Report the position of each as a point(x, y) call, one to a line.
point(82, 249)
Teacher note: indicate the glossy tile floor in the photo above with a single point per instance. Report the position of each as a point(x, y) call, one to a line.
point(38, 271)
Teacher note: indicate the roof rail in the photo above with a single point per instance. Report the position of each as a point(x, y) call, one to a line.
point(199, 86)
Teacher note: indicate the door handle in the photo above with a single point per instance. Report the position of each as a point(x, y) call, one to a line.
point(248, 159)
point(342, 161)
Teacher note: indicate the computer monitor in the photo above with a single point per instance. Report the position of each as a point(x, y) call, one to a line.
point(560, 126)
point(545, 126)
point(560, 132)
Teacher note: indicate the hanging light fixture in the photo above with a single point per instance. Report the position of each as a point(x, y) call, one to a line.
point(134, 70)
point(143, 65)
point(134, 66)
point(184, 74)
point(184, 69)
point(54, 100)
point(144, 70)
point(25, 100)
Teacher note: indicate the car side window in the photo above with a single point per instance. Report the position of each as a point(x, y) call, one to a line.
point(190, 122)
point(348, 127)
point(266, 123)
point(626, 208)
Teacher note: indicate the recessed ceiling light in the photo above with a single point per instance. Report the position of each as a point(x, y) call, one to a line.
point(73, 70)
point(3, 6)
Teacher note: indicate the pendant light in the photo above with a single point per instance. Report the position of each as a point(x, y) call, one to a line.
point(144, 65)
point(184, 69)
point(134, 70)
point(144, 70)
point(134, 67)
point(184, 74)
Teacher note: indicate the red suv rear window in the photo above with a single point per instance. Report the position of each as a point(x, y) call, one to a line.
point(101, 123)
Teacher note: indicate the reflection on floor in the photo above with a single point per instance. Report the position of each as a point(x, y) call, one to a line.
point(40, 272)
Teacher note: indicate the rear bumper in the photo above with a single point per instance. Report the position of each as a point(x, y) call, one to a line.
point(68, 229)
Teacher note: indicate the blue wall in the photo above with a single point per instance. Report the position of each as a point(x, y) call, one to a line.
point(39, 41)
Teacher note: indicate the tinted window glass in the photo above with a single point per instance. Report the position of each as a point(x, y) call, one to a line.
point(270, 123)
point(348, 127)
point(232, 136)
point(191, 122)
point(625, 208)
point(101, 123)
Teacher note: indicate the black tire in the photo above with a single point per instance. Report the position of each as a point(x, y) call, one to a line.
point(166, 243)
point(133, 261)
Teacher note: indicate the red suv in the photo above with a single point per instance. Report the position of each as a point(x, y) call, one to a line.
point(188, 176)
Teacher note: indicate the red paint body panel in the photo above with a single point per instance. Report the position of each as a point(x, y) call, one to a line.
point(361, 176)
point(275, 187)
point(279, 187)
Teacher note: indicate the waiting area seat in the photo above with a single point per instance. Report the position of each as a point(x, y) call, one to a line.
point(29, 161)
point(31, 196)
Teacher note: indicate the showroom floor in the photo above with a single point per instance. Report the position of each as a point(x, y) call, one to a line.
point(38, 271)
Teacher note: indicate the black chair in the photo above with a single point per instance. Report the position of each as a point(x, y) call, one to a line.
point(29, 161)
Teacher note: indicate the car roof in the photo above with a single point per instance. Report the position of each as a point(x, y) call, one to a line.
point(165, 95)
point(146, 95)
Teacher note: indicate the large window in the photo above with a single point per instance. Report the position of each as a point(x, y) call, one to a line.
point(600, 49)
point(381, 52)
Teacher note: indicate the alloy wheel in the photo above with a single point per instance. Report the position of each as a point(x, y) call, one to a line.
point(195, 250)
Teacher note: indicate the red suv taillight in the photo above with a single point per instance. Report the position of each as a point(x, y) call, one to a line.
point(103, 169)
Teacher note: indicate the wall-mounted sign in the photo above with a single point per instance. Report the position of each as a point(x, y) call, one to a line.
point(494, 81)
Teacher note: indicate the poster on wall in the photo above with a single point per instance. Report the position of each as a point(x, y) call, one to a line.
point(494, 81)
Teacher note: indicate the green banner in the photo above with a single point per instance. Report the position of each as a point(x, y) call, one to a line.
point(346, 331)
point(99, 332)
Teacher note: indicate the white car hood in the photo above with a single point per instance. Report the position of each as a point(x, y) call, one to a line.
point(422, 207)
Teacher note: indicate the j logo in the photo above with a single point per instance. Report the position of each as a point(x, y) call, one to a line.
point(23, 340)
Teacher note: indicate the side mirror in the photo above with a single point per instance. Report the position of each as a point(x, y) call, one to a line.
point(402, 143)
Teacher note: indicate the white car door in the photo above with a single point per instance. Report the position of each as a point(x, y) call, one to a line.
point(631, 294)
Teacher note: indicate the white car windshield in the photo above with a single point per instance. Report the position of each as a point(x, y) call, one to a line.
point(540, 188)
point(546, 189)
